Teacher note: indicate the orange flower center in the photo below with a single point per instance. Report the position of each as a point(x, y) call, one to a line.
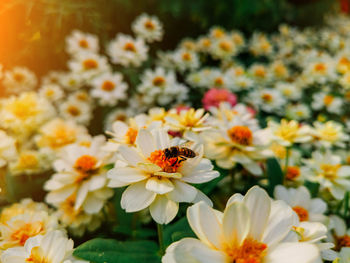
point(73, 110)
point(267, 97)
point(26, 231)
point(302, 213)
point(186, 56)
point(327, 100)
point(28, 161)
point(85, 163)
point(219, 81)
point(169, 165)
point(241, 135)
point(292, 172)
point(130, 47)
point(83, 43)
point(251, 251)
point(225, 45)
point(158, 81)
point(90, 64)
point(329, 170)
point(343, 241)
point(260, 72)
point(320, 67)
point(108, 85)
point(131, 135)
point(149, 25)
point(19, 77)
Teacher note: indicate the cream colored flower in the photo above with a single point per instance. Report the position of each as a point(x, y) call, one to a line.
point(251, 229)
point(330, 134)
point(299, 199)
point(327, 170)
point(78, 42)
point(25, 113)
point(236, 142)
point(127, 51)
point(148, 28)
point(80, 170)
point(88, 65)
point(16, 230)
point(288, 133)
point(58, 133)
point(53, 247)
point(330, 102)
point(51, 92)
point(156, 181)
point(8, 150)
point(185, 60)
point(77, 111)
point(19, 79)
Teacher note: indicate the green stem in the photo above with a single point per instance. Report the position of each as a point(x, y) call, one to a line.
point(160, 239)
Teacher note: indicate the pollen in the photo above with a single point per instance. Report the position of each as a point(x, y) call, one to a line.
point(158, 81)
point(251, 251)
point(241, 135)
point(219, 81)
point(90, 64)
point(186, 56)
point(130, 136)
point(293, 172)
point(108, 85)
point(19, 77)
point(36, 256)
point(260, 72)
point(267, 97)
point(85, 163)
point(288, 130)
point(130, 47)
point(302, 213)
point(320, 67)
point(169, 165)
point(28, 161)
point(26, 231)
point(330, 171)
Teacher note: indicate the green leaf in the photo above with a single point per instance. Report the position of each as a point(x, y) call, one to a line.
point(111, 251)
point(274, 174)
point(313, 187)
point(177, 230)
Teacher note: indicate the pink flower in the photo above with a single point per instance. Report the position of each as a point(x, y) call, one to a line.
point(213, 98)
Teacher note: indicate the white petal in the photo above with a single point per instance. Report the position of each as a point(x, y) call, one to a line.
point(97, 182)
point(236, 223)
point(92, 204)
point(126, 174)
point(294, 252)
point(159, 185)
point(136, 197)
point(130, 155)
point(182, 192)
point(146, 142)
point(202, 197)
point(162, 139)
point(163, 210)
point(81, 195)
point(205, 224)
point(259, 206)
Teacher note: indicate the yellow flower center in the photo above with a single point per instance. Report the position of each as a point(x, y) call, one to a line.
point(83, 43)
point(49, 93)
point(24, 107)
point(251, 251)
point(280, 70)
point(287, 130)
point(26, 231)
point(260, 72)
point(218, 33)
point(327, 100)
point(158, 81)
point(130, 136)
point(189, 119)
point(302, 213)
point(329, 133)
point(28, 161)
point(330, 171)
point(241, 135)
point(169, 165)
point(293, 172)
point(73, 110)
point(130, 47)
point(89, 64)
point(108, 85)
point(36, 256)
point(219, 81)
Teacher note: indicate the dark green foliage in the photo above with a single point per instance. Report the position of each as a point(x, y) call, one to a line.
point(107, 250)
point(274, 174)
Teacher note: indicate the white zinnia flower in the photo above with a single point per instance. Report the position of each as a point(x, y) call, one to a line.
point(78, 42)
point(251, 229)
point(158, 182)
point(148, 28)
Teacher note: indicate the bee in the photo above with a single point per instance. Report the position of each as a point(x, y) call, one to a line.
point(181, 152)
